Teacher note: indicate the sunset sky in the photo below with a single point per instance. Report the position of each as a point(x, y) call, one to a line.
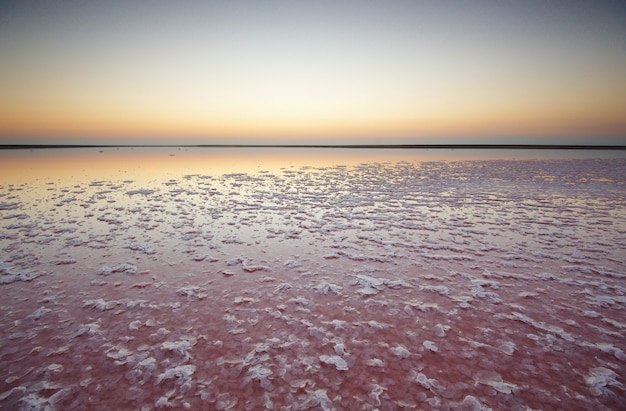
point(296, 72)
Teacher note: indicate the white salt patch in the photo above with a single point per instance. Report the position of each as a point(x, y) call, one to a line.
point(146, 366)
point(134, 325)
point(319, 399)
point(605, 301)
point(365, 257)
point(429, 345)
point(439, 289)
point(470, 403)
point(337, 324)
point(370, 285)
point(180, 374)
point(340, 348)
point(292, 264)
point(18, 391)
point(300, 301)
point(40, 312)
point(282, 288)
point(181, 347)
point(9, 206)
point(163, 401)
point(55, 368)
point(65, 261)
point(614, 323)
point(235, 261)
point(610, 348)
point(507, 347)
point(192, 292)
point(599, 379)
point(375, 325)
point(33, 402)
point(159, 335)
point(253, 268)
point(90, 329)
point(125, 268)
point(400, 351)
point(232, 240)
point(440, 330)
point(494, 380)
point(424, 381)
point(8, 275)
point(446, 257)
point(260, 373)
point(144, 191)
point(377, 390)
point(11, 379)
point(375, 362)
point(326, 288)
point(243, 300)
point(542, 326)
point(119, 354)
point(297, 383)
point(335, 360)
point(61, 395)
point(225, 401)
point(100, 304)
point(142, 248)
point(143, 284)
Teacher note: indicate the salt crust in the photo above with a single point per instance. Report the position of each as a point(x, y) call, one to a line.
point(446, 285)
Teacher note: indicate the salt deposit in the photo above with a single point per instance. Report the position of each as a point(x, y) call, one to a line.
point(335, 360)
point(469, 285)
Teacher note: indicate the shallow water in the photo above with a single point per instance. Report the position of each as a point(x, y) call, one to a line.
point(293, 279)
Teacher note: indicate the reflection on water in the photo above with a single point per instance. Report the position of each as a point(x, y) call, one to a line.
point(146, 163)
point(294, 279)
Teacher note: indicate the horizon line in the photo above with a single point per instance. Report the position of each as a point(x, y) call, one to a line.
point(346, 146)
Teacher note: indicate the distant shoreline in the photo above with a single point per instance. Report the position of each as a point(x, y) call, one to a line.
point(342, 146)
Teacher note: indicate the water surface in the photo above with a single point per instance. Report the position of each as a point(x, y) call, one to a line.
point(312, 279)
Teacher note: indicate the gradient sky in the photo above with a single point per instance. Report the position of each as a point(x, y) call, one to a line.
point(313, 71)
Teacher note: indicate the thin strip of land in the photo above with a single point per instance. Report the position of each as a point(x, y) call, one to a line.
point(347, 146)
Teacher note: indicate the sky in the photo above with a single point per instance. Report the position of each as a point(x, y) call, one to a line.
point(302, 72)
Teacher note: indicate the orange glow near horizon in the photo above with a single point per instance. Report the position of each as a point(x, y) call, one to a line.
point(154, 126)
point(368, 74)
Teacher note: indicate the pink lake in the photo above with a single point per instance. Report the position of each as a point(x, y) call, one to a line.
point(147, 279)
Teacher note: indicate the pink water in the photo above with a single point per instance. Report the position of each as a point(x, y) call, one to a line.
point(296, 281)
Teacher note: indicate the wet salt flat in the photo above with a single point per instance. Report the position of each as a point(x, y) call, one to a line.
point(327, 282)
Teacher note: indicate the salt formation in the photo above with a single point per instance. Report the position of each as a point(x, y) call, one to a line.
point(400, 351)
point(89, 329)
point(429, 345)
point(462, 285)
point(372, 286)
point(192, 292)
point(493, 379)
point(320, 399)
point(181, 347)
point(125, 268)
point(600, 378)
point(181, 375)
point(105, 270)
point(326, 288)
point(9, 275)
point(335, 360)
